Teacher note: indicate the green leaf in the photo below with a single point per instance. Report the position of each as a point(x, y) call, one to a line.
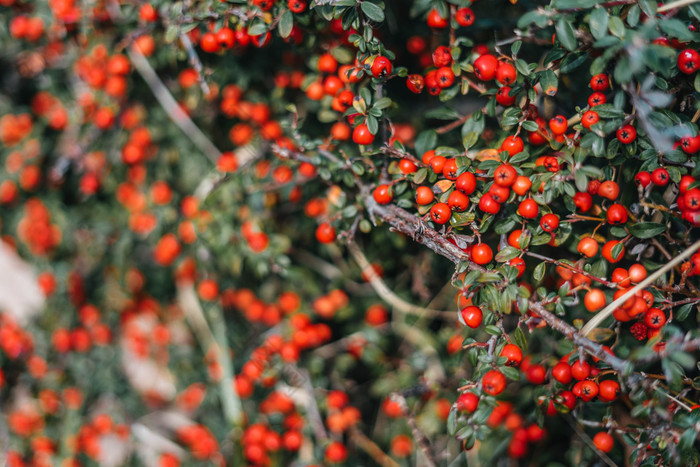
point(538, 273)
point(372, 124)
point(286, 23)
point(519, 338)
point(382, 103)
point(550, 84)
point(257, 28)
point(373, 12)
point(442, 113)
point(493, 330)
point(681, 314)
point(425, 141)
point(617, 27)
point(676, 28)
point(506, 254)
point(566, 34)
point(647, 229)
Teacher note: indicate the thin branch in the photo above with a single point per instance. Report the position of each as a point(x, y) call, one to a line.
point(418, 435)
point(608, 310)
point(388, 295)
point(408, 224)
point(371, 448)
point(195, 62)
point(160, 91)
point(587, 439)
point(676, 4)
point(594, 349)
point(605, 282)
point(303, 382)
point(231, 403)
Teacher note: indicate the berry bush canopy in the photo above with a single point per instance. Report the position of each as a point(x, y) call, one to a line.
point(350, 232)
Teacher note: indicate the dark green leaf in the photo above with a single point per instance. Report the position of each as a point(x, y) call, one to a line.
point(538, 273)
point(286, 23)
point(566, 34)
point(373, 12)
point(598, 22)
point(550, 84)
point(647, 229)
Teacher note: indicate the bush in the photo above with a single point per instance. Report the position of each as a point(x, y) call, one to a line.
point(350, 232)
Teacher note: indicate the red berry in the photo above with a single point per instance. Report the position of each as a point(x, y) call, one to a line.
point(626, 134)
point(440, 213)
point(689, 61)
point(485, 67)
point(362, 135)
point(494, 382)
point(472, 316)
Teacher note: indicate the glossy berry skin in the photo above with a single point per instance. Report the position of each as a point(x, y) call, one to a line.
point(562, 372)
point(608, 390)
point(589, 118)
point(660, 176)
point(654, 318)
point(482, 254)
point(488, 204)
point(506, 73)
point(536, 374)
point(549, 222)
point(505, 175)
point(381, 67)
point(503, 97)
point(485, 67)
point(583, 201)
point(588, 247)
point(558, 125)
point(597, 98)
point(689, 61)
point(415, 83)
point(467, 402)
point(383, 194)
point(609, 189)
point(442, 56)
point(466, 183)
point(603, 441)
point(472, 316)
point(325, 233)
point(642, 179)
point(440, 213)
point(626, 134)
point(600, 82)
point(436, 21)
point(617, 214)
point(445, 77)
point(458, 201)
point(607, 251)
point(528, 208)
point(494, 382)
point(464, 16)
point(362, 135)
point(512, 145)
point(690, 144)
point(424, 195)
point(580, 371)
point(513, 353)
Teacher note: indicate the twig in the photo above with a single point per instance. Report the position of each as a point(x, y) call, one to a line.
point(302, 377)
point(187, 298)
point(594, 349)
point(676, 4)
point(195, 62)
point(605, 282)
point(388, 295)
point(607, 311)
point(407, 223)
point(587, 439)
point(371, 448)
point(418, 435)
